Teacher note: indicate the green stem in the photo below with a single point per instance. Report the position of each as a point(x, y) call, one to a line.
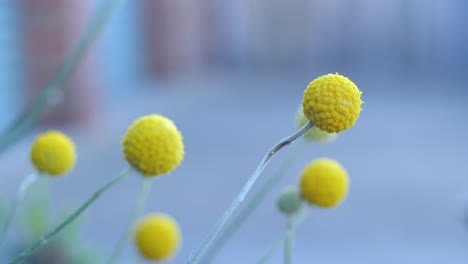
point(296, 221)
point(253, 204)
point(288, 242)
point(138, 211)
point(32, 113)
point(24, 185)
point(195, 257)
point(44, 239)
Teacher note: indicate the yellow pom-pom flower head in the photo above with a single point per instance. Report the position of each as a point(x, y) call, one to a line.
point(153, 145)
point(314, 134)
point(53, 153)
point(157, 236)
point(324, 182)
point(332, 102)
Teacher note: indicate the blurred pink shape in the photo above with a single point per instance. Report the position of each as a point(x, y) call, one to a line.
point(51, 30)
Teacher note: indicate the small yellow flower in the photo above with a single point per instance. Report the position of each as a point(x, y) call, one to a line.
point(332, 102)
point(324, 182)
point(157, 236)
point(314, 134)
point(53, 153)
point(153, 145)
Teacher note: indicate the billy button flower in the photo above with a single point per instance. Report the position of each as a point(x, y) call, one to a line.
point(157, 237)
point(332, 103)
point(152, 146)
point(324, 183)
point(289, 201)
point(315, 134)
point(53, 154)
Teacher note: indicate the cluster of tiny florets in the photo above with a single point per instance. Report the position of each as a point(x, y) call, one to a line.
point(153, 145)
point(314, 134)
point(332, 102)
point(324, 183)
point(157, 236)
point(53, 153)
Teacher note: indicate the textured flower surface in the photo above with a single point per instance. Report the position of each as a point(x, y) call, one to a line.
point(324, 182)
point(157, 236)
point(53, 153)
point(314, 134)
point(332, 102)
point(153, 145)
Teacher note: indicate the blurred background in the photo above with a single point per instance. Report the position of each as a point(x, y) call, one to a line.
point(231, 75)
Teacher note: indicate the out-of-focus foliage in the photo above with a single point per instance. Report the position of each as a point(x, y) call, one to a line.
point(37, 218)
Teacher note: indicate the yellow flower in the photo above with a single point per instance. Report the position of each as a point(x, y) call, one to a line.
point(53, 153)
point(332, 102)
point(153, 145)
point(324, 182)
point(314, 134)
point(157, 236)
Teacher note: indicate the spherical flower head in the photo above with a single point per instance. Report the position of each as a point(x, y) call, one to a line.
point(332, 102)
point(153, 145)
point(324, 182)
point(157, 236)
point(314, 134)
point(53, 153)
point(289, 200)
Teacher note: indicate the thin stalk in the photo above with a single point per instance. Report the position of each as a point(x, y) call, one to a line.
point(253, 204)
point(194, 258)
point(296, 221)
point(44, 239)
point(137, 212)
point(288, 241)
point(32, 113)
point(20, 193)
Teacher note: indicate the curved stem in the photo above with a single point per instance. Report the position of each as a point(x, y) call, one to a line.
point(24, 185)
point(194, 258)
point(252, 205)
point(137, 212)
point(296, 221)
point(44, 239)
point(288, 241)
point(31, 114)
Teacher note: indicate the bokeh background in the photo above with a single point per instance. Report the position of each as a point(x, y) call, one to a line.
point(231, 75)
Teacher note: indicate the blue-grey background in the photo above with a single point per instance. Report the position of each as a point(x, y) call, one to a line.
point(406, 156)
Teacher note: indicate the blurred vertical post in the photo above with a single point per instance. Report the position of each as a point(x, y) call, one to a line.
point(10, 62)
point(51, 29)
point(178, 35)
